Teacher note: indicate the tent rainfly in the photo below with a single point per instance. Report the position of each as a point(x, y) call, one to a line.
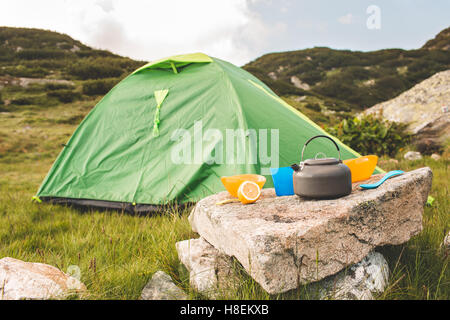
point(167, 132)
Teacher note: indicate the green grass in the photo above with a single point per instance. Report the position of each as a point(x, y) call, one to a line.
point(419, 268)
point(117, 253)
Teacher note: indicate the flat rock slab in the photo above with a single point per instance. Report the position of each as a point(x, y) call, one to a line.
point(285, 241)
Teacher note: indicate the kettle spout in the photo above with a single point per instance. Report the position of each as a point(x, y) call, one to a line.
point(295, 167)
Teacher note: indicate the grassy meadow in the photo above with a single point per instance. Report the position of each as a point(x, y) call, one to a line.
point(118, 253)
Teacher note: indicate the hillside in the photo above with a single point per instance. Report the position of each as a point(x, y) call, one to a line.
point(354, 80)
point(40, 69)
point(39, 53)
point(440, 42)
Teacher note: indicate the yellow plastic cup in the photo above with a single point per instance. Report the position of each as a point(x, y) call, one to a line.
point(362, 167)
point(232, 183)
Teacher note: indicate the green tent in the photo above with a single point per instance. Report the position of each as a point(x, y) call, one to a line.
point(171, 129)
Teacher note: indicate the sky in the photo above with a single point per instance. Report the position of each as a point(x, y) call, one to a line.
point(235, 30)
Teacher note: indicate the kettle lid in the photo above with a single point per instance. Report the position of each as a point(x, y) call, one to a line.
point(321, 162)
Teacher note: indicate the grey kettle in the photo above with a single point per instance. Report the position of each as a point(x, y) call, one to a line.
point(325, 178)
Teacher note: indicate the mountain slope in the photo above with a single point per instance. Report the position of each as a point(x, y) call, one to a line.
point(43, 69)
point(325, 84)
point(39, 53)
point(440, 42)
point(359, 79)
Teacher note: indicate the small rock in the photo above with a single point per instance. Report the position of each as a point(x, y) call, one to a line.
point(299, 84)
point(272, 75)
point(383, 162)
point(435, 156)
point(447, 240)
point(299, 98)
point(161, 287)
point(412, 155)
point(446, 243)
point(280, 69)
point(358, 282)
point(209, 269)
point(21, 280)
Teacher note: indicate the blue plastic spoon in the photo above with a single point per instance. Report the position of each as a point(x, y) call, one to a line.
point(388, 175)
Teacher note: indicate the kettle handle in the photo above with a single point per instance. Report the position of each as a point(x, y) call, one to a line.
point(321, 136)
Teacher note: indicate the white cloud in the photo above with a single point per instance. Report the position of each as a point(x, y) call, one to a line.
point(347, 19)
point(149, 30)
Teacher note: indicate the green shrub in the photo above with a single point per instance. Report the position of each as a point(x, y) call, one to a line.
point(6, 54)
point(23, 101)
point(312, 77)
point(85, 70)
point(36, 100)
point(57, 86)
point(76, 119)
point(34, 54)
point(64, 95)
point(51, 64)
point(94, 71)
point(313, 106)
point(101, 68)
point(98, 87)
point(371, 135)
point(301, 68)
point(356, 73)
point(23, 71)
point(390, 86)
point(65, 46)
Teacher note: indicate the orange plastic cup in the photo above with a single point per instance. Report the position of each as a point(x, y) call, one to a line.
point(362, 167)
point(232, 183)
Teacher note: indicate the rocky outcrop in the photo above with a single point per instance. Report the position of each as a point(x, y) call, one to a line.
point(425, 107)
point(284, 241)
point(299, 84)
point(210, 271)
point(21, 280)
point(358, 282)
point(161, 287)
point(25, 82)
point(272, 75)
